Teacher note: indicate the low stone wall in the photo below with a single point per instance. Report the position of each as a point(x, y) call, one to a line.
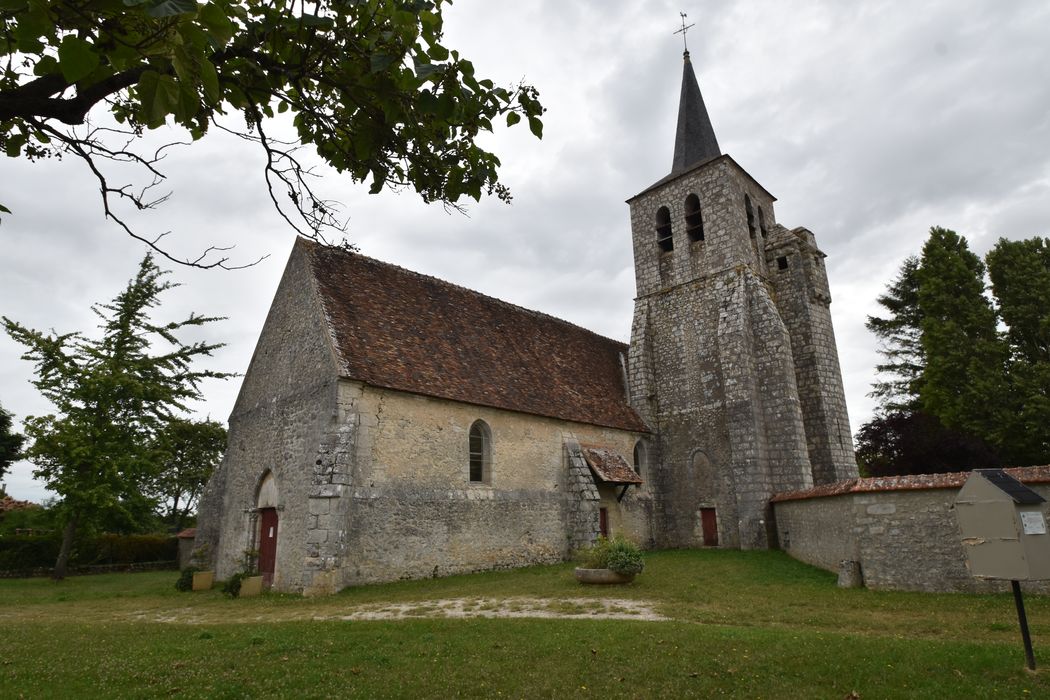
point(900, 530)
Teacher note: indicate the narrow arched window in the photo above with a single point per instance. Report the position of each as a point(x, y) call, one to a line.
point(480, 452)
point(640, 457)
point(750, 216)
point(762, 222)
point(694, 221)
point(663, 229)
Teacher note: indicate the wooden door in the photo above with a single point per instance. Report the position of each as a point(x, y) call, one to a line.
point(709, 522)
point(267, 543)
point(603, 522)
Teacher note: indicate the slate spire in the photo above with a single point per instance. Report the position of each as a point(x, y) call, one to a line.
point(695, 138)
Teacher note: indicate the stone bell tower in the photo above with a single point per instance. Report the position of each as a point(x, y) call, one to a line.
point(733, 360)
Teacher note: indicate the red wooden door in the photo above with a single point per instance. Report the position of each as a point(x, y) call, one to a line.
point(710, 525)
point(603, 522)
point(267, 543)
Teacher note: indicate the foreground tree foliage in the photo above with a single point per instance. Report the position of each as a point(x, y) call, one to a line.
point(367, 84)
point(188, 451)
point(113, 395)
point(965, 383)
point(10, 444)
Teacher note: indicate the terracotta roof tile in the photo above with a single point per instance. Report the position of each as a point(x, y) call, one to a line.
point(401, 330)
point(9, 504)
point(609, 465)
point(914, 482)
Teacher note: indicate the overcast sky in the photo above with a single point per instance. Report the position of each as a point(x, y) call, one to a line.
point(870, 122)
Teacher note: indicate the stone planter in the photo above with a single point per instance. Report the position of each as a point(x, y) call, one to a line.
point(251, 585)
point(601, 576)
point(203, 580)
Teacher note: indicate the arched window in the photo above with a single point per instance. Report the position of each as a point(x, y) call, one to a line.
point(480, 452)
point(762, 222)
point(750, 216)
point(640, 457)
point(663, 229)
point(694, 222)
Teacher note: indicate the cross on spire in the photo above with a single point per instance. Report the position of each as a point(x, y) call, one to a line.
point(683, 31)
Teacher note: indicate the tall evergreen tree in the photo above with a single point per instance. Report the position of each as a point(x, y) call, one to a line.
point(1020, 274)
point(112, 396)
point(962, 383)
point(900, 342)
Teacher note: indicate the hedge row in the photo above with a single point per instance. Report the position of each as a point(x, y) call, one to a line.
point(28, 552)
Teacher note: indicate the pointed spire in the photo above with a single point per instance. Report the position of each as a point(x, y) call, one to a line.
point(695, 139)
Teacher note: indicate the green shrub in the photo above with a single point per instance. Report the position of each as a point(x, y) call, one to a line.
point(131, 549)
point(619, 554)
point(22, 552)
point(624, 557)
point(232, 587)
point(19, 552)
point(185, 580)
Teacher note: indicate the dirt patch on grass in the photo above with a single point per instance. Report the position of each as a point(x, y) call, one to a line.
point(568, 608)
point(453, 608)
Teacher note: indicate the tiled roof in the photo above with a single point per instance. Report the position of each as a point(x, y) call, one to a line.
point(915, 482)
point(8, 504)
point(609, 465)
point(398, 329)
point(187, 534)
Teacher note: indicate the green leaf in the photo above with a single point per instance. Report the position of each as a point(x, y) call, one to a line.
point(513, 118)
point(45, 66)
point(159, 95)
point(380, 62)
point(4, 210)
point(216, 21)
point(536, 127)
point(323, 23)
point(210, 81)
point(424, 70)
point(77, 59)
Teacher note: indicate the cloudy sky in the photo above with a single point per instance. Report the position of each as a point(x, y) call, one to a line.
point(869, 121)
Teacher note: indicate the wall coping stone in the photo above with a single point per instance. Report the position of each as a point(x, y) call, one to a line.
point(911, 482)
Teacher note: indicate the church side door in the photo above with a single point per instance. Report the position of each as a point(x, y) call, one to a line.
point(709, 521)
point(267, 543)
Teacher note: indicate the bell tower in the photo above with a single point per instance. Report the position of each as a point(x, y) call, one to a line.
point(733, 361)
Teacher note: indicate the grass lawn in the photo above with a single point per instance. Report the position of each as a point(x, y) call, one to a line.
point(744, 624)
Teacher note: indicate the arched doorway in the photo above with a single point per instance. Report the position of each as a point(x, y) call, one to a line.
point(266, 505)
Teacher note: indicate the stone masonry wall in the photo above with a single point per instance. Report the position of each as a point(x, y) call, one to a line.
point(903, 540)
point(285, 416)
point(411, 510)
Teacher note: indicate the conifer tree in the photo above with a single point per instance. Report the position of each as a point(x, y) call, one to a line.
point(1020, 274)
point(899, 334)
point(962, 382)
point(112, 395)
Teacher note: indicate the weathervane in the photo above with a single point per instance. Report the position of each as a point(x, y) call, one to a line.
point(683, 30)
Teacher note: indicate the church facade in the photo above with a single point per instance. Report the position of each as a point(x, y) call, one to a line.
point(392, 425)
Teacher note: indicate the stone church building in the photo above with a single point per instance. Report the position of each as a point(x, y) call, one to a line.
point(393, 425)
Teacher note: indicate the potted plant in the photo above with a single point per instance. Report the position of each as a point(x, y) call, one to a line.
point(251, 579)
point(202, 577)
point(616, 560)
point(248, 581)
